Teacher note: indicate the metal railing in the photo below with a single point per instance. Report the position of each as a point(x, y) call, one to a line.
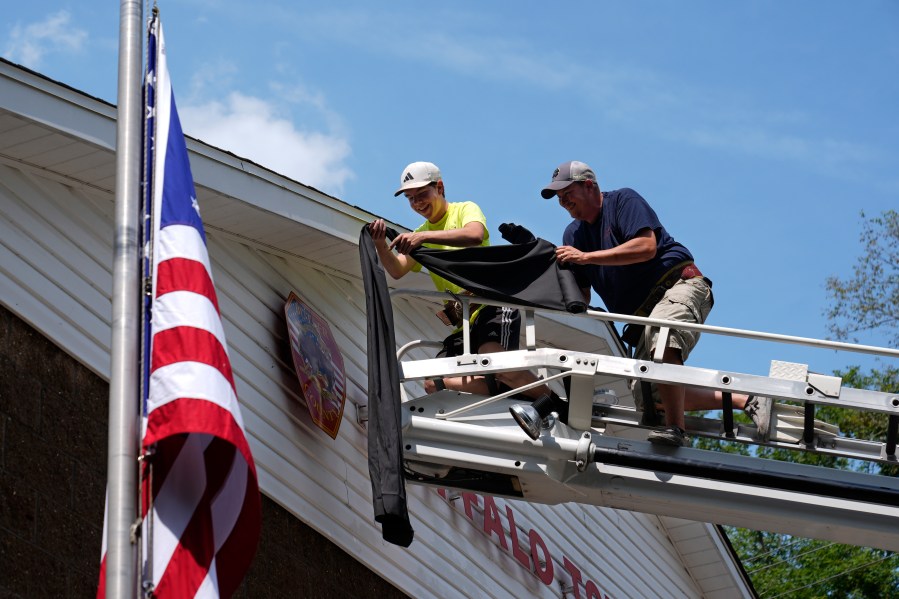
point(466, 300)
point(804, 431)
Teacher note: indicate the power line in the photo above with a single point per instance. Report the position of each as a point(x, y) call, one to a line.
point(837, 575)
point(780, 548)
point(793, 558)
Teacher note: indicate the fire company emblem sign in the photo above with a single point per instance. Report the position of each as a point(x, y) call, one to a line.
point(319, 364)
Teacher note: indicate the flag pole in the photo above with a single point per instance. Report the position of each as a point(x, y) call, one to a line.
point(124, 369)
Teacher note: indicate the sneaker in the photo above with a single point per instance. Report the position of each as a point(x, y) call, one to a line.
point(528, 419)
point(672, 435)
point(759, 410)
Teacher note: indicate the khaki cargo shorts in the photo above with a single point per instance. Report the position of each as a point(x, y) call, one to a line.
point(689, 300)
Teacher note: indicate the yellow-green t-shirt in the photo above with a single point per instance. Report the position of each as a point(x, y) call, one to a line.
point(458, 214)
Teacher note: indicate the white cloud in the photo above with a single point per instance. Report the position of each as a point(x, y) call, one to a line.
point(28, 44)
point(824, 155)
point(487, 56)
point(655, 103)
point(255, 129)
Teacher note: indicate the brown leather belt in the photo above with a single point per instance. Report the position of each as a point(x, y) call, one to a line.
point(690, 272)
point(684, 270)
point(451, 315)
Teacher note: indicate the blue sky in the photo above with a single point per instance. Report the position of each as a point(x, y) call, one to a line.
point(757, 130)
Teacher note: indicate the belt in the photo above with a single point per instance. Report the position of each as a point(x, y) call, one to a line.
point(690, 272)
point(451, 315)
point(683, 271)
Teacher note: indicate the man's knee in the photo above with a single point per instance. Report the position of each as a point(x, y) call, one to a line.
point(516, 378)
point(672, 355)
point(490, 347)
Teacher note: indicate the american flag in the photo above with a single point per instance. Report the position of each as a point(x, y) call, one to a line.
point(199, 492)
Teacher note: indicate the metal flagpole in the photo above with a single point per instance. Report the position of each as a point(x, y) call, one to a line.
point(124, 371)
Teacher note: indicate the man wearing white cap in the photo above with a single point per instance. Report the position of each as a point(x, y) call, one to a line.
point(617, 245)
point(451, 225)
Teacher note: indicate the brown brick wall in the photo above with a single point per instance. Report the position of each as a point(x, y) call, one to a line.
point(53, 430)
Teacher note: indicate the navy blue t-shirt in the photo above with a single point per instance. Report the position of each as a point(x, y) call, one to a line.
point(624, 213)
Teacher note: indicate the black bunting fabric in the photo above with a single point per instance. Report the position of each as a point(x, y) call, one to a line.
point(385, 452)
point(524, 272)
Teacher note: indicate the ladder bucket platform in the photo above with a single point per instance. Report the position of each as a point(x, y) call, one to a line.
point(601, 456)
point(793, 424)
point(481, 449)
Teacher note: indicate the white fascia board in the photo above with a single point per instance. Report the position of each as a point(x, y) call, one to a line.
point(74, 113)
point(247, 182)
point(43, 101)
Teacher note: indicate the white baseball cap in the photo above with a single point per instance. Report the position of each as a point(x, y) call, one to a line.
point(418, 174)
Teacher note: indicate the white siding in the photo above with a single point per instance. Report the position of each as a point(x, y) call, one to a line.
point(56, 274)
point(269, 235)
point(55, 264)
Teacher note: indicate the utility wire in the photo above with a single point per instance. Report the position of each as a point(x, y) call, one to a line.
point(837, 575)
point(793, 558)
point(779, 548)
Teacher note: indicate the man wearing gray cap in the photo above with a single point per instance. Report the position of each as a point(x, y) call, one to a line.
point(617, 245)
point(451, 225)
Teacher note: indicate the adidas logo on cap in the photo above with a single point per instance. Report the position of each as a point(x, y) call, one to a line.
point(418, 174)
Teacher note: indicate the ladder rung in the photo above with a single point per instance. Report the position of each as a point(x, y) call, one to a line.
point(826, 437)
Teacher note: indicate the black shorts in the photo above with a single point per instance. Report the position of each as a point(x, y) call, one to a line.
point(494, 323)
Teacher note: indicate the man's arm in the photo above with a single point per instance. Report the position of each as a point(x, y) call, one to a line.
point(471, 234)
point(395, 265)
point(640, 248)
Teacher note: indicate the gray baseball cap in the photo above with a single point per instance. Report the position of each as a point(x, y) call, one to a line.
point(565, 175)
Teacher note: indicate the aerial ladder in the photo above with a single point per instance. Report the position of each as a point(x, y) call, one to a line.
point(600, 457)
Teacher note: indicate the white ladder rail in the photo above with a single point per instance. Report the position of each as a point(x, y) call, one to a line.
point(485, 452)
point(598, 364)
point(810, 390)
point(703, 328)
